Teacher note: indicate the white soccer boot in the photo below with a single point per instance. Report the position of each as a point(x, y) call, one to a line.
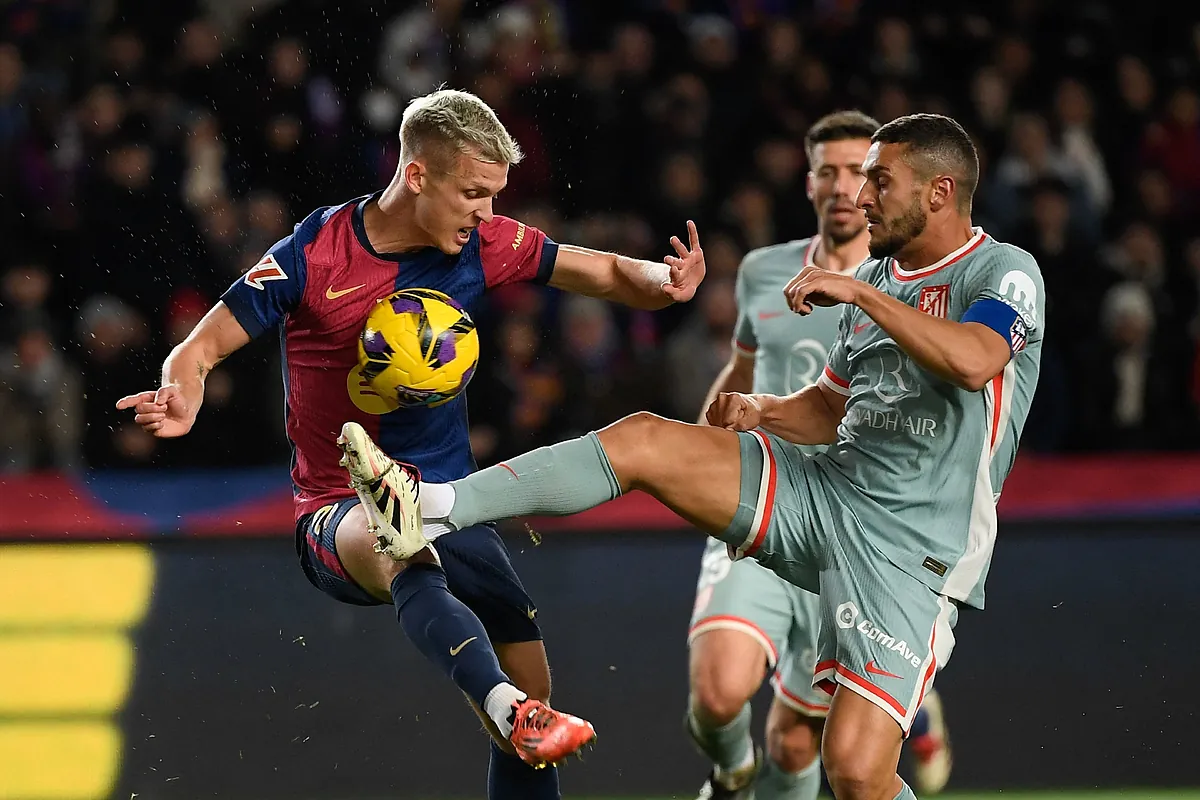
point(388, 491)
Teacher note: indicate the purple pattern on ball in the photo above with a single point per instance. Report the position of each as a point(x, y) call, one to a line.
point(407, 305)
point(446, 348)
point(374, 344)
point(467, 377)
point(450, 301)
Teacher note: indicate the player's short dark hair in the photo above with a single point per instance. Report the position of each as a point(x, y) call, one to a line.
point(937, 145)
point(838, 127)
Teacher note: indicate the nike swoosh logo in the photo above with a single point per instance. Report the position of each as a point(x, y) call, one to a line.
point(330, 294)
point(456, 650)
point(874, 670)
point(862, 326)
point(764, 315)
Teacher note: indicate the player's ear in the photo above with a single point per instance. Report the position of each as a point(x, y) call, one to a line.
point(808, 185)
point(941, 192)
point(415, 176)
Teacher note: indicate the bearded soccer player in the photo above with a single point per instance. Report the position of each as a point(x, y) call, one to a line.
point(433, 227)
point(921, 403)
point(747, 619)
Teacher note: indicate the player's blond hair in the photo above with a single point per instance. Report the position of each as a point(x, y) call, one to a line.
point(449, 121)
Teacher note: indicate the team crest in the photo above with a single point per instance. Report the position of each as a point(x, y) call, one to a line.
point(1018, 335)
point(266, 270)
point(935, 300)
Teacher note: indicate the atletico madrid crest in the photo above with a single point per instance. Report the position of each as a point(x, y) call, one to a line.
point(934, 300)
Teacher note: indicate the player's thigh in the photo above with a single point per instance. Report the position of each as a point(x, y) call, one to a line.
point(793, 679)
point(480, 573)
point(693, 469)
point(739, 625)
point(333, 558)
point(883, 634)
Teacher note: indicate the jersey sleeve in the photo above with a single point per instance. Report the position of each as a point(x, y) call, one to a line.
point(744, 340)
point(269, 290)
point(1007, 295)
point(513, 252)
point(836, 375)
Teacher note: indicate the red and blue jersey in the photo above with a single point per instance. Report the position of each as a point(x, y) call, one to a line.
point(318, 285)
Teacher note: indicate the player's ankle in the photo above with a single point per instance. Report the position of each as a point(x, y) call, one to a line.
point(500, 706)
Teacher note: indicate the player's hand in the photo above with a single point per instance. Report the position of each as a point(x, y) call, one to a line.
point(164, 413)
point(817, 287)
point(687, 268)
point(735, 411)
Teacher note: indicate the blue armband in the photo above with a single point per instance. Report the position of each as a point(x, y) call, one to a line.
point(1002, 318)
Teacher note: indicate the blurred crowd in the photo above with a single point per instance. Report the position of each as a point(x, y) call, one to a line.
point(150, 152)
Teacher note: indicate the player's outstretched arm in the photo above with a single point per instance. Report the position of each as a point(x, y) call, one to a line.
point(967, 354)
point(631, 281)
point(171, 410)
point(810, 416)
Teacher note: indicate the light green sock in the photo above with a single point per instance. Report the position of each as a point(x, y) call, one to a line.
point(905, 793)
point(729, 747)
point(775, 784)
point(556, 481)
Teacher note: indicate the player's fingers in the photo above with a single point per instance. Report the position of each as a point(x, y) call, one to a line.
point(679, 248)
point(166, 394)
point(149, 408)
point(693, 235)
point(673, 261)
point(147, 419)
point(130, 400)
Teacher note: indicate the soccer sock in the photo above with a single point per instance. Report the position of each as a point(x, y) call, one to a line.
point(729, 747)
point(775, 784)
point(510, 778)
point(559, 480)
point(905, 793)
point(452, 637)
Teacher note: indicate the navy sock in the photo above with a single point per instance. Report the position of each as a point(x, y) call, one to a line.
point(446, 631)
point(510, 778)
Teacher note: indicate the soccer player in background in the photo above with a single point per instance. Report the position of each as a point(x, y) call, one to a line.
point(746, 618)
point(433, 227)
point(922, 402)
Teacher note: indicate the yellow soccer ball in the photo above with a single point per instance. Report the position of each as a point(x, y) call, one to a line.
point(419, 348)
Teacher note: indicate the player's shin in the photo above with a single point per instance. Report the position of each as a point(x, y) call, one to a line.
point(729, 746)
point(563, 479)
point(510, 778)
point(452, 637)
point(775, 784)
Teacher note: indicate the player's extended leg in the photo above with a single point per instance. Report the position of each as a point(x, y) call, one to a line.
point(792, 768)
point(444, 629)
point(725, 668)
point(480, 573)
point(692, 469)
point(861, 749)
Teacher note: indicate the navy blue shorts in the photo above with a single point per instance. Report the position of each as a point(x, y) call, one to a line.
point(478, 572)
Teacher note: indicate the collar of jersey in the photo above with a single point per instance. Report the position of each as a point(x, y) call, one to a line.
point(360, 233)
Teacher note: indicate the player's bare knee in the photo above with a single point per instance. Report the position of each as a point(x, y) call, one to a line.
point(717, 697)
point(793, 740)
point(852, 774)
point(373, 571)
point(628, 444)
